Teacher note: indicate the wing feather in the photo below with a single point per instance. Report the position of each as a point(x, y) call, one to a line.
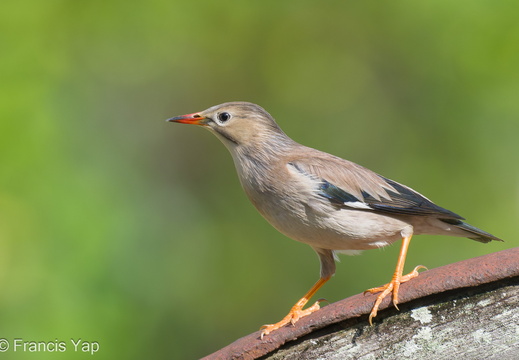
point(347, 184)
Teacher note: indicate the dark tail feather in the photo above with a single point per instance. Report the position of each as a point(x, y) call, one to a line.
point(475, 233)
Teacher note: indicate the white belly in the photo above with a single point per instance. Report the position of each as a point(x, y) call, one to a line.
point(322, 225)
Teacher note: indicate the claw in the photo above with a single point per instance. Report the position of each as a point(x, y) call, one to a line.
point(392, 287)
point(293, 316)
point(297, 311)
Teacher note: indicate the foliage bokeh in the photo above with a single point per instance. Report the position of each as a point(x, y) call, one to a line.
point(120, 228)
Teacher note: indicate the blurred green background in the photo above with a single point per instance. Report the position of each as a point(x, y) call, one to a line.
point(120, 228)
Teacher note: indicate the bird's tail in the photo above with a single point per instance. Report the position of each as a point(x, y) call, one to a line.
point(473, 232)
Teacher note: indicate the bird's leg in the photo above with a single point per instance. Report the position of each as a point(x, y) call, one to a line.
point(297, 311)
point(394, 285)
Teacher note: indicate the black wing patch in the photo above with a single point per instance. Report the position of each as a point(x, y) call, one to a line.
point(335, 194)
point(407, 202)
point(339, 197)
point(403, 201)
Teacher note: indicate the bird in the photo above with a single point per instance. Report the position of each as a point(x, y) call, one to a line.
point(332, 204)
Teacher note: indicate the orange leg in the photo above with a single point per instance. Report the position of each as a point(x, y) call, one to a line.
point(394, 285)
point(297, 311)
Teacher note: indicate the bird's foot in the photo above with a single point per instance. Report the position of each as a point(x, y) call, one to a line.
point(392, 287)
point(296, 313)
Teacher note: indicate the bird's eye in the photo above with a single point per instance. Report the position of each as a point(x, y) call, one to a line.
point(224, 116)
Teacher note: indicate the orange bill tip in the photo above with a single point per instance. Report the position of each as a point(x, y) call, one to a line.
point(194, 119)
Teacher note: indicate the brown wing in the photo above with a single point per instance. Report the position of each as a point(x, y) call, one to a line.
point(350, 185)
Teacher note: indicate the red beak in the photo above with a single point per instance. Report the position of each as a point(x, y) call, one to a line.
point(195, 119)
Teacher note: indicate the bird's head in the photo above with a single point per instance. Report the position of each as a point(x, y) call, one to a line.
point(236, 124)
